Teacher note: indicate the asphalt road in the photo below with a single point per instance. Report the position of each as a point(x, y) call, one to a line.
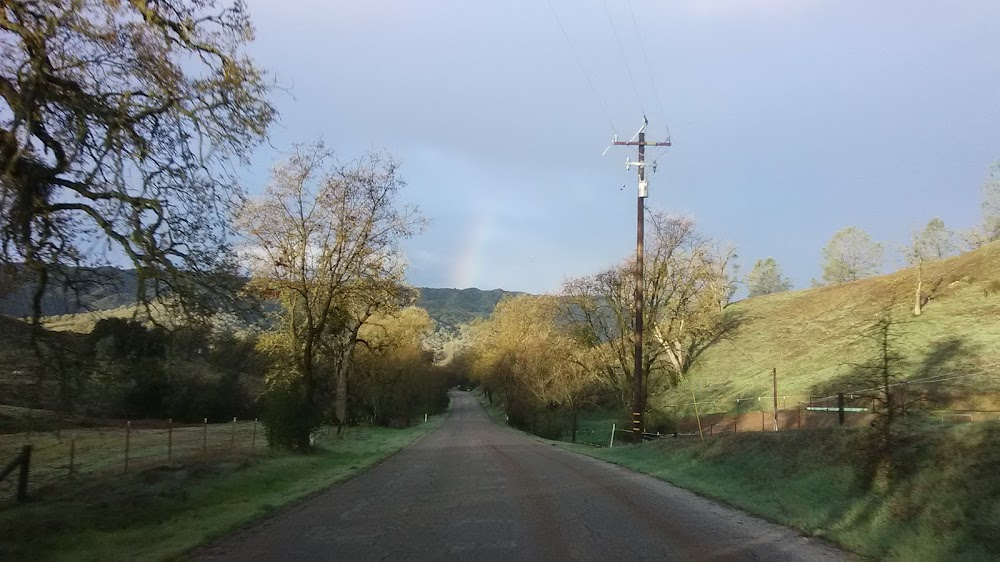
point(473, 490)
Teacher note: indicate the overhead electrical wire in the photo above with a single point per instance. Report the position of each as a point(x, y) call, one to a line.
point(621, 49)
point(649, 67)
point(652, 79)
point(583, 70)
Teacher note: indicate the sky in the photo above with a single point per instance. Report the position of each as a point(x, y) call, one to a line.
point(790, 119)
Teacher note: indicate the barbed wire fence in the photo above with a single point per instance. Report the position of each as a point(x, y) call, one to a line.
point(64, 456)
point(854, 406)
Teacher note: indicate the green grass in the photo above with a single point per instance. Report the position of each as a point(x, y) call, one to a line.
point(99, 451)
point(944, 503)
point(494, 410)
point(164, 511)
point(811, 337)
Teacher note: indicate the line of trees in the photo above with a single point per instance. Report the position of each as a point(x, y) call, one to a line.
point(852, 254)
point(549, 356)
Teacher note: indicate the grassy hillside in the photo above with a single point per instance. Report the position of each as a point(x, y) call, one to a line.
point(812, 336)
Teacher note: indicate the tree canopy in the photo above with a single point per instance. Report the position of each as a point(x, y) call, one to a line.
point(765, 278)
point(851, 255)
point(120, 124)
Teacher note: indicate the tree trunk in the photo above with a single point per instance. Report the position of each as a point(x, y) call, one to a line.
point(340, 402)
point(918, 297)
point(573, 424)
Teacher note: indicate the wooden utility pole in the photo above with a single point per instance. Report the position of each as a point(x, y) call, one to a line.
point(638, 398)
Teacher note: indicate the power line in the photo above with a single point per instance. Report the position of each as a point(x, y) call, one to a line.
point(649, 70)
point(583, 70)
point(745, 355)
point(621, 49)
point(985, 370)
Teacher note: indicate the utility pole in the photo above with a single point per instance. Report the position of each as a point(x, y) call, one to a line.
point(638, 398)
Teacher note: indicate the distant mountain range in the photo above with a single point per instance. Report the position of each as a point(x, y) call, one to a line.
point(108, 287)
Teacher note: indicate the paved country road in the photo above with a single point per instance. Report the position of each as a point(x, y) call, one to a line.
point(473, 490)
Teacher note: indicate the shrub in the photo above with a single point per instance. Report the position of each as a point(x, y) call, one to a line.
point(289, 418)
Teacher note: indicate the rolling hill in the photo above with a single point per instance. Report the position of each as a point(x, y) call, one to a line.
point(812, 337)
point(111, 292)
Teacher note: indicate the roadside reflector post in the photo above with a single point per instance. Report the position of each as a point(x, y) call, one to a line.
point(612, 443)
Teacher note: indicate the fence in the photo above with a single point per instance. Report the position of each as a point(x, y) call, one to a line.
point(63, 456)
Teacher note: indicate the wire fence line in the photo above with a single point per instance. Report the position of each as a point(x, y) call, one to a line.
point(64, 456)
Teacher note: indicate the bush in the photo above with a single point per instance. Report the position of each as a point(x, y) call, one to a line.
point(289, 419)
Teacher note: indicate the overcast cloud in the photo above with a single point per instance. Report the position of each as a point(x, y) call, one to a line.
point(790, 120)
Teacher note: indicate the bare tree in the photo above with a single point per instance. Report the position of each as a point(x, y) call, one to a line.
point(120, 124)
point(934, 242)
point(991, 204)
point(687, 283)
point(686, 311)
point(723, 274)
point(323, 240)
point(851, 255)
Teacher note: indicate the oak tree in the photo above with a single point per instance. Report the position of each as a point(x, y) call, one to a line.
point(323, 241)
point(851, 255)
point(765, 279)
point(121, 124)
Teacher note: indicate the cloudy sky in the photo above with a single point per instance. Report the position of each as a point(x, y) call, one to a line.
point(790, 120)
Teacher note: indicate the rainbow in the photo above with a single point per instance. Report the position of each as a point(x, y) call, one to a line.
point(472, 254)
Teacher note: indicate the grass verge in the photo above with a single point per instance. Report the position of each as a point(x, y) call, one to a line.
point(943, 503)
point(163, 512)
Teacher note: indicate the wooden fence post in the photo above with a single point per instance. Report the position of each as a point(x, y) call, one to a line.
point(22, 478)
point(204, 438)
point(253, 440)
point(170, 439)
point(72, 455)
point(232, 439)
point(128, 439)
point(840, 408)
point(774, 374)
